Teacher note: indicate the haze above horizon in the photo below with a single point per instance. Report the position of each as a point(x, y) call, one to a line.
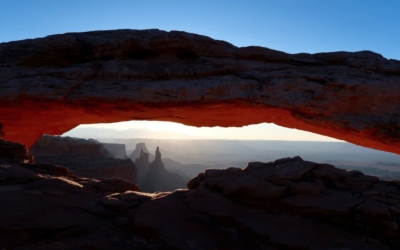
point(291, 26)
point(172, 130)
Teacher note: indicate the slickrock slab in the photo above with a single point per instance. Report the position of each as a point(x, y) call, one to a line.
point(52, 84)
point(332, 202)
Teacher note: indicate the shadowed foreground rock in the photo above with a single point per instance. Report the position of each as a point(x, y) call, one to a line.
point(13, 151)
point(286, 204)
point(110, 76)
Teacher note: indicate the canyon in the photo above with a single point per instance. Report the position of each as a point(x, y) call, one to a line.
point(52, 84)
point(92, 159)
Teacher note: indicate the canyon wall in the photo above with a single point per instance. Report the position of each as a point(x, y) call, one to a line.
point(87, 158)
point(56, 145)
point(52, 84)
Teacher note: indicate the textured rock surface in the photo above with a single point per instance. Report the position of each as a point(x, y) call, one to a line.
point(87, 158)
point(286, 204)
point(53, 84)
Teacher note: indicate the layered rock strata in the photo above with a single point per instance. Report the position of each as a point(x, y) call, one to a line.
point(119, 75)
point(58, 145)
point(286, 204)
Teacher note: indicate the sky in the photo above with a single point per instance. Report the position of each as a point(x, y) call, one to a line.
point(291, 26)
point(171, 130)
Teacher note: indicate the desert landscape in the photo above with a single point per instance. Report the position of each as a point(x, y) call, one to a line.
point(288, 203)
point(76, 193)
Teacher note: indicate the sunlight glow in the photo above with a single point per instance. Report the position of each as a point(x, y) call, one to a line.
point(171, 130)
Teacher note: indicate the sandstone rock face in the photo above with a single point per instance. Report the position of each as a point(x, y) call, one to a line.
point(286, 204)
point(110, 76)
point(87, 158)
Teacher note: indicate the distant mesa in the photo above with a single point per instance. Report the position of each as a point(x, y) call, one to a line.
point(58, 145)
point(88, 158)
point(118, 75)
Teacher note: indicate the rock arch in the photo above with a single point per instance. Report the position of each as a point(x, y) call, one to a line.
point(52, 84)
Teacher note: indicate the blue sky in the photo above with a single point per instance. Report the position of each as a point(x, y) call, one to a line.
point(292, 26)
